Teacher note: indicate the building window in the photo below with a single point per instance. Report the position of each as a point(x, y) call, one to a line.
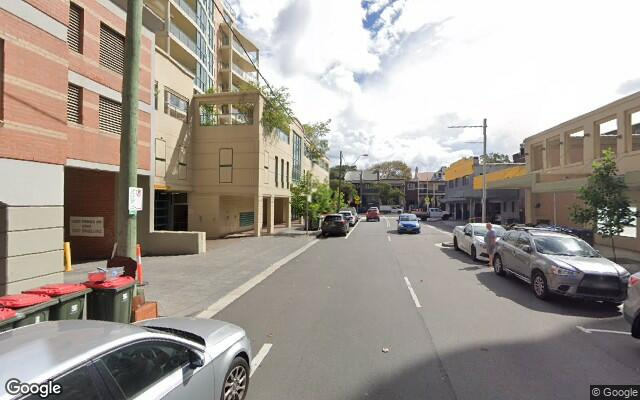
point(607, 134)
point(111, 49)
point(182, 163)
point(75, 28)
point(465, 180)
point(536, 159)
point(276, 175)
point(282, 172)
point(74, 104)
point(282, 135)
point(411, 186)
point(109, 115)
point(161, 157)
point(635, 131)
point(297, 158)
point(574, 147)
point(175, 105)
point(226, 165)
point(450, 184)
point(287, 174)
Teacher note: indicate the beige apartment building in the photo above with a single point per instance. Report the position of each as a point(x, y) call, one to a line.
point(241, 176)
point(559, 162)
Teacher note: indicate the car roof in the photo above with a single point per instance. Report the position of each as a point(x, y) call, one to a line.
point(542, 232)
point(334, 215)
point(49, 346)
point(346, 211)
point(407, 214)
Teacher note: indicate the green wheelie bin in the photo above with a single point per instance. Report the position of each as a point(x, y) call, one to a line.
point(70, 296)
point(111, 300)
point(8, 318)
point(33, 307)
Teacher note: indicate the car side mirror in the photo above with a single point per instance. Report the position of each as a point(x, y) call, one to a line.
point(196, 360)
point(526, 248)
point(467, 233)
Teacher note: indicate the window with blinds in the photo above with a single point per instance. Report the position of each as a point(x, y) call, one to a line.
point(109, 115)
point(74, 30)
point(74, 104)
point(111, 49)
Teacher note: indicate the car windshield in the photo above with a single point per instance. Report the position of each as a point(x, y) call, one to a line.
point(333, 218)
point(408, 218)
point(564, 246)
point(481, 230)
point(346, 213)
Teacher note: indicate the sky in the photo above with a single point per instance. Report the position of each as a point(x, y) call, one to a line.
point(392, 75)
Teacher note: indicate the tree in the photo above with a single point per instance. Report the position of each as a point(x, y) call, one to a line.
point(323, 198)
point(495, 158)
point(606, 205)
point(315, 134)
point(347, 188)
point(392, 169)
point(276, 111)
point(389, 195)
point(336, 173)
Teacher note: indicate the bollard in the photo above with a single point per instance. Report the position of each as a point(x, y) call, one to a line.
point(139, 271)
point(67, 257)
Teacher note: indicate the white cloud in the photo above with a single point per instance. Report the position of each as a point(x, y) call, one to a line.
point(392, 89)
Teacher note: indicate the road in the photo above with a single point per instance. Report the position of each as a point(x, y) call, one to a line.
point(385, 316)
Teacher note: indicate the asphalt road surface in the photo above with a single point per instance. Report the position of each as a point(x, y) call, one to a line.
point(385, 316)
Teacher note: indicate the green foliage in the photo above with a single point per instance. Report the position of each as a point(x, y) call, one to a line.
point(315, 134)
point(336, 172)
point(495, 158)
point(276, 112)
point(347, 188)
point(389, 195)
point(392, 169)
point(605, 203)
point(323, 198)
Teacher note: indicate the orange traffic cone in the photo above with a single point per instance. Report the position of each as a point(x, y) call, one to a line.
point(139, 271)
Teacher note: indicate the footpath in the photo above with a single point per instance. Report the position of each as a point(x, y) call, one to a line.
point(186, 285)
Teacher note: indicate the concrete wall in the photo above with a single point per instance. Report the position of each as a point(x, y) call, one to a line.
point(31, 224)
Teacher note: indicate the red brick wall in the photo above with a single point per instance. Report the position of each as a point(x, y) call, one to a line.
point(90, 193)
point(36, 66)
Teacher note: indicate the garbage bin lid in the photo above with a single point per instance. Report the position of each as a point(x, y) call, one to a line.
point(112, 284)
point(23, 300)
point(6, 313)
point(57, 289)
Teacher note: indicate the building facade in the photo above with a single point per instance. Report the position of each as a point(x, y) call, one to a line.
point(426, 189)
point(559, 161)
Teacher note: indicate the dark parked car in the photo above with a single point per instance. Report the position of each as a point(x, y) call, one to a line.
point(559, 263)
point(335, 224)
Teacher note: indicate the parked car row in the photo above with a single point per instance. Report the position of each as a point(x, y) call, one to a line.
point(556, 263)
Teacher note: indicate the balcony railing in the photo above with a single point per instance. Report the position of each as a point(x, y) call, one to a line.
point(218, 119)
point(252, 55)
point(182, 37)
point(227, 5)
point(184, 6)
point(242, 74)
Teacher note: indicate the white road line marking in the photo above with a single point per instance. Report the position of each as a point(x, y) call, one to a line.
point(257, 360)
point(385, 218)
point(413, 294)
point(230, 297)
point(351, 230)
point(388, 238)
point(585, 330)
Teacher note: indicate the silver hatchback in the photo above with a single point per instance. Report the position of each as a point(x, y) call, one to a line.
point(558, 263)
point(169, 358)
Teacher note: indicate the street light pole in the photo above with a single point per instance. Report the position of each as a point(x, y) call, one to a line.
point(484, 164)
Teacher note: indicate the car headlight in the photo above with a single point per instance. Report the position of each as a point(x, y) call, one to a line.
point(562, 271)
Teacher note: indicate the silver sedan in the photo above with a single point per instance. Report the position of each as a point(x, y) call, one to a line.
point(170, 358)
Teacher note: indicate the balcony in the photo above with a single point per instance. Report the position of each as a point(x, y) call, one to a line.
point(253, 56)
point(182, 37)
point(231, 11)
point(187, 9)
point(218, 119)
point(242, 74)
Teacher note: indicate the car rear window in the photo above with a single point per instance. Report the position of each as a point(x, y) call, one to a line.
point(333, 218)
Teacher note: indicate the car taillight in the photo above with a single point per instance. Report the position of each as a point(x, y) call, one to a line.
point(633, 281)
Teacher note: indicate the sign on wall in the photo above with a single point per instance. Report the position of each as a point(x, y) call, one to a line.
point(86, 226)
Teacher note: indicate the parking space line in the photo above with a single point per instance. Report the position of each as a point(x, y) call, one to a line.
point(388, 238)
point(413, 294)
point(351, 230)
point(257, 360)
point(589, 330)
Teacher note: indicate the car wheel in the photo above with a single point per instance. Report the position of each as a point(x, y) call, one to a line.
point(236, 381)
point(498, 267)
point(539, 285)
point(455, 243)
point(474, 255)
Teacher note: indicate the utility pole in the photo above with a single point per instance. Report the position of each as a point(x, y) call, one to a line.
point(484, 170)
point(128, 176)
point(339, 183)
